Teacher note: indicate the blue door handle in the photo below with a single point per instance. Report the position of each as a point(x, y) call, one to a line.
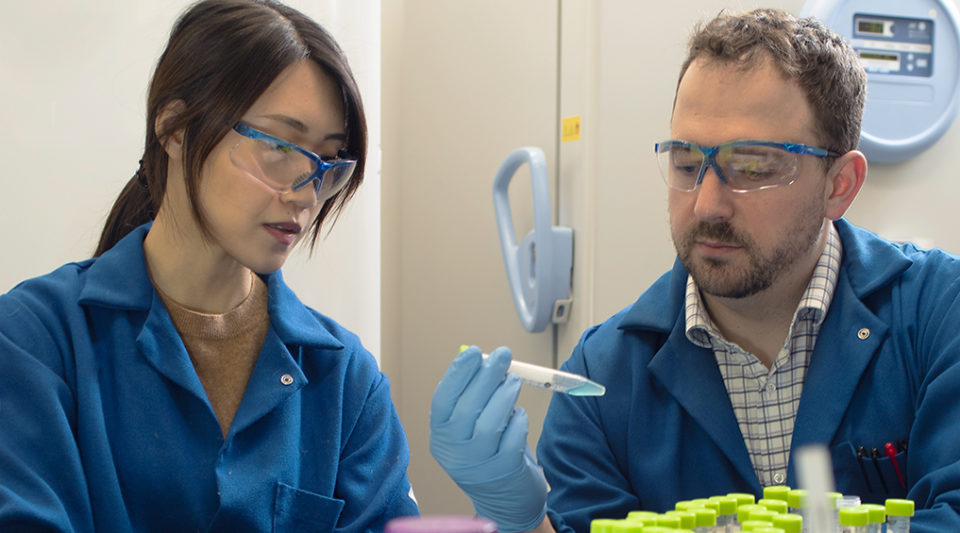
point(538, 269)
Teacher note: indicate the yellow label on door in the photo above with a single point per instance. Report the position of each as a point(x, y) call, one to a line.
point(570, 129)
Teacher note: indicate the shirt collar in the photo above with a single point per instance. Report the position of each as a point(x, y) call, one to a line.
point(813, 305)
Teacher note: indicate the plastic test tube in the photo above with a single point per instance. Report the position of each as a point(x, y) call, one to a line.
point(553, 379)
point(877, 517)
point(853, 519)
point(898, 515)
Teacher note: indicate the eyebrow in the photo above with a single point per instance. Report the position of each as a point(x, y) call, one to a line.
point(302, 128)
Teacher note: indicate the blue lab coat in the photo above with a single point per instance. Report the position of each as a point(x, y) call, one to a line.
point(105, 426)
point(885, 368)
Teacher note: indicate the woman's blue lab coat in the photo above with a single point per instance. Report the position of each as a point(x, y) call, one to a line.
point(886, 368)
point(104, 425)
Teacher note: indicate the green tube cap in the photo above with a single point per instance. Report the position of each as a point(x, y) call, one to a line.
point(897, 507)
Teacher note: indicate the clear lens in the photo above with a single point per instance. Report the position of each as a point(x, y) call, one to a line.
point(679, 164)
point(336, 175)
point(744, 167)
point(284, 168)
point(755, 167)
point(279, 167)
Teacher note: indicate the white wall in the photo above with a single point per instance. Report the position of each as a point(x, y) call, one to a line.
point(72, 103)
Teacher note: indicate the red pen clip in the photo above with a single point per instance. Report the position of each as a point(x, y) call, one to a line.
point(891, 453)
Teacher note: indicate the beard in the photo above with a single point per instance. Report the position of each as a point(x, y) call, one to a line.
point(729, 279)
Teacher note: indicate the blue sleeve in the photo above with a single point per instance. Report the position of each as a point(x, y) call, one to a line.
point(594, 485)
point(372, 478)
point(933, 457)
point(42, 481)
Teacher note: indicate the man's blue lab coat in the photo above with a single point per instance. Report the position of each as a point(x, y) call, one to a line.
point(886, 368)
point(105, 426)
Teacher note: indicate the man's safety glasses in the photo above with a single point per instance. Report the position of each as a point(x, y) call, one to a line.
point(284, 166)
point(743, 166)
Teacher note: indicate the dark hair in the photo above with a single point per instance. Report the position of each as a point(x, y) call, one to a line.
point(825, 66)
point(221, 56)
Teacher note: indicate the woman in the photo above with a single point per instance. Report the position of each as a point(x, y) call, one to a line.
point(174, 382)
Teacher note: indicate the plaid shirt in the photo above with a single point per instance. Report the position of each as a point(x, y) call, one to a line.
point(765, 401)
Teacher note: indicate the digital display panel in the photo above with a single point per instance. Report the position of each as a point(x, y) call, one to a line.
point(870, 26)
point(879, 56)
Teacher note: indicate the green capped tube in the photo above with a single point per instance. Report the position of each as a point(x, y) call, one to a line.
point(743, 498)
point(644, 517)
point(763, 514)
point(688, 520)
point(706, 520)
point(853, 519)
point(898, 515)
point(776, 492)
point(789, 523)
point(777, 506)
point(878, 517)
point(753, 525)
point(602, 525)
point(743, 512)
point(666, 520)
point(726, 508)
point(626, 526)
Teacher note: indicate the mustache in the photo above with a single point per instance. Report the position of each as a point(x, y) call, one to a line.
point(721, 231)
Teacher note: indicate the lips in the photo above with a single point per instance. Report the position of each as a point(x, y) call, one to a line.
point(288, 227)
point(284, 232)
point(716, 244)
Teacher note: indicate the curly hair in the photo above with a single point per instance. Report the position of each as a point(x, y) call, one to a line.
point(820, 61)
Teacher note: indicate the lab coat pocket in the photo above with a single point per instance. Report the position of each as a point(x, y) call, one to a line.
point(871, 475)
point(300, 510)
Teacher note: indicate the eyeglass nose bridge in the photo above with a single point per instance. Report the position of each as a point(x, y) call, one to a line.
point(315, 179)
point(710, 160)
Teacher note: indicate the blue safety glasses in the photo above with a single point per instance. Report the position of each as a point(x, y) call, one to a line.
point(284, 166)
point(743, 166)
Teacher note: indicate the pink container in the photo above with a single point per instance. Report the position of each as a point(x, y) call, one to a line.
point(440, 524)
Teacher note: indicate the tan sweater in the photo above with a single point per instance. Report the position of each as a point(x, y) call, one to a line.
point(224, 347)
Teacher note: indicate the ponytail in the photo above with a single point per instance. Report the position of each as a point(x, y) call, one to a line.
point(136, 205)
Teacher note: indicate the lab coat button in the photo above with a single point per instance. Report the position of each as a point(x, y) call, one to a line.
point(286, 379)
point(863, 334)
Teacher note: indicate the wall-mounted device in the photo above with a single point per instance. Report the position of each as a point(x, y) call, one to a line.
point(911, 52)
point(538, 267)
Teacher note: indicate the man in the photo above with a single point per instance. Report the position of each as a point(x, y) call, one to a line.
point(780, 325)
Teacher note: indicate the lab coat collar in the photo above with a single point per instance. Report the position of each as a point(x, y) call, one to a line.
point(691, 375)
point(119, 279)
point(871, 262)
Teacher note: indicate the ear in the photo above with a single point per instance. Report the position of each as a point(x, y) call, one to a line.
point(172, 141)
point(844, 180)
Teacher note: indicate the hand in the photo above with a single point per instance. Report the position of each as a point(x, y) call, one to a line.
point(480, 439)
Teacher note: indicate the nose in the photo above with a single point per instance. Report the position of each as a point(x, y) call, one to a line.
point(304, 197)
point(714, 201)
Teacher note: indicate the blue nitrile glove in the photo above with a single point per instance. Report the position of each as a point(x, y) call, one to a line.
point(480, 439)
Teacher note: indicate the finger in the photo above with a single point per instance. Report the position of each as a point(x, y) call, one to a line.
point(513, 443)
point(493, 420)
point(454, 381)
point(476, 394)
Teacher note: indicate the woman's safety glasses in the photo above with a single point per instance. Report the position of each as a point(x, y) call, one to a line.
point(284, 166)
point(743, 166)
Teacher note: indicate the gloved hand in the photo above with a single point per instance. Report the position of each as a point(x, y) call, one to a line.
point(480, 439)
